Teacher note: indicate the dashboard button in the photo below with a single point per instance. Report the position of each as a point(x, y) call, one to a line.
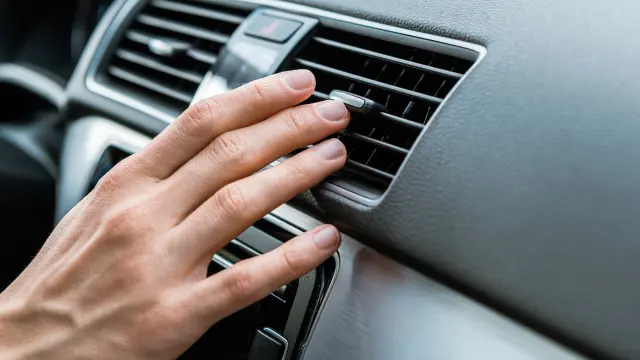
point(272, 28)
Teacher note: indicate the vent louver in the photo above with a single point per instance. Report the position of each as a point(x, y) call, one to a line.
point(409, 82)
point(167, 49)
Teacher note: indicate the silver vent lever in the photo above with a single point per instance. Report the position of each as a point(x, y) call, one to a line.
point(167, 48)
point(357, 104)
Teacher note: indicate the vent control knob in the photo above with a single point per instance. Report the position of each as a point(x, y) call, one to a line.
point(167, 48)
point(356, 103)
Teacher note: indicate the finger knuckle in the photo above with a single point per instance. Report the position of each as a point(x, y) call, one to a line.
point(230, 146)
point(110, 182)
point(231, 201)
point(297, 120)
point(199, 116)
point(293, 260)
point(239, 282)
point(259, 91)
point(296, 171)
point(123, 220)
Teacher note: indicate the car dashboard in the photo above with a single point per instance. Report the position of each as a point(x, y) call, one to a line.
point(488, 203)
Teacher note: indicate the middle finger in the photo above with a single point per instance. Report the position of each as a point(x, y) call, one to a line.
point(231, 210)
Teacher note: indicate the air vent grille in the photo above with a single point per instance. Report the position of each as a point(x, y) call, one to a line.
point(409, 82)
point(168, 48)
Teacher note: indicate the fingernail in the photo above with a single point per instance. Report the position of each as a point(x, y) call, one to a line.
point(333, 110)
point(299, 79)
point(326, 238)
point(330, 149)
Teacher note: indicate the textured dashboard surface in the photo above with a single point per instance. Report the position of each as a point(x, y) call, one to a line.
point(525, 187)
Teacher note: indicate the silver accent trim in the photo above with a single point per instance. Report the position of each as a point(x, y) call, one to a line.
point(103, 90)
point(280, 338)
point(84, 143)
point(202, 89)
point(96, 87)
point(222, 261)
point(34, 82)
point(245, 247)
point(225, 263)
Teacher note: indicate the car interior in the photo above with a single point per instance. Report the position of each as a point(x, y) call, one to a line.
point(489, 205)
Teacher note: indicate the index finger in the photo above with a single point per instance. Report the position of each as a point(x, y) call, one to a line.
point(202, 122)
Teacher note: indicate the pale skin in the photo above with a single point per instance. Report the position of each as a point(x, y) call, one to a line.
point(123, 275)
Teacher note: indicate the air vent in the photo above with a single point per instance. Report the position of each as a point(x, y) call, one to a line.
point(409, 82)
point(168, 48)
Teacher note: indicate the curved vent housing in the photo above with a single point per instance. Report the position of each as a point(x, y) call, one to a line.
point(168, 48)
point(409, 82)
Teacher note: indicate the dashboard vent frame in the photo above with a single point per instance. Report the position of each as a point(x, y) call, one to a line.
point(121, 12)
point(410, 76)
point(163, 50)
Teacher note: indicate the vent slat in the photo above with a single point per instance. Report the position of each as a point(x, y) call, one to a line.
point(395, 119)
point(197, 11)
point(193, 33)
point(155, 65)
point(409, 83)
point(370, 169)
point(321, 95)
point(148, 84)
point(196, 54)
point(385, 57)
point(138, 37)
point(377, 142)
point(367, 81)
point(144, 38)
point(202, 56)
point(183, 28)
point(401, 121)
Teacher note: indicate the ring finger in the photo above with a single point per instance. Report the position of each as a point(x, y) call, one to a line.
point(238, 205)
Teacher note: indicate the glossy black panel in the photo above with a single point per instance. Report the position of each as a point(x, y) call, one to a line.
point(247, 57)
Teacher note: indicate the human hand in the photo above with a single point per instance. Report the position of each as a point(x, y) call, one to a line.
point(124, 274)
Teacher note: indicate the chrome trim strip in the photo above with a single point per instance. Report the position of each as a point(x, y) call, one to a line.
point(96, 87)
point(103, 90)
point(280, 338)
point(84, 143)
point(245, 247)
point(222, 261)
point(35, 82)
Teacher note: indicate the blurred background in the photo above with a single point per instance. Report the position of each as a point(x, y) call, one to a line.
point(40, 42)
